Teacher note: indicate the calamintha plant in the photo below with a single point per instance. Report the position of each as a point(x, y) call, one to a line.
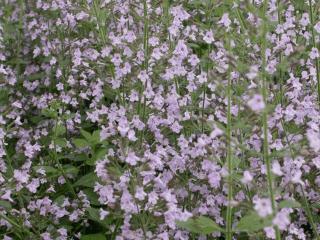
point(159, 119)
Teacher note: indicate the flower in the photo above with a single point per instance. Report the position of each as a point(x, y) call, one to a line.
point(225, 21)
point(202, 77)
point(263, 206)
point(317, 27)
point(281, 220)
point(256, 103)
point(314, 139)
point(208, 37)
point(276, 168)
point(247, 177)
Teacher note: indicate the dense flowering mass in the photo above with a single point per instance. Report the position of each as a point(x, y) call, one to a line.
point(158, 120)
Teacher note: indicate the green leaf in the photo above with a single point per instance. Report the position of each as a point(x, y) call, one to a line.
point(92, 196)
point(92, 139)
point(5, 204)
point(98, 236)
point(60, 199)
point(87, 180)
point(86, 135)
point(50, 113)
point(69, 169)
point(236, 162)
point(4, 96)
point(96, 136)
point(61, 142)
point(290, 203)
point(200, 225)
point(189, 225)
point(35, 119)
point(48, 169)
point(94, 215)
point(80, 143)
point(60, 129)
point(253, 222)
point(207, 225)
point(99, 154)
point(36, 76)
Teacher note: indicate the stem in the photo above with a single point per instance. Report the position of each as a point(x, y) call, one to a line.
point(55, 154)
point(100, 27)
point(229, 160)
point(280, 56)
point(264, 91)
point(203, 103)
point(239, 16)
point(204, 93)
point(145, 48)
point(315, 46)
point(20, 227)
point(9, 162)
point(166, 6)
point(309, 213)
point(305, 200)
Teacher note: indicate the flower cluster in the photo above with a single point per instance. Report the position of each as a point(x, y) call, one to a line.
point(125, 119)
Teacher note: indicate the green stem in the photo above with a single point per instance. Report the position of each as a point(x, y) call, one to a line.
point(204, 93)
point(55, 154)
point(315, 46)
point(264, 91)
point(9, 161)
point(16, 225)
point(229, 160)
point(309, 214)
point(145, 48)
point(305, 200)
point(280, 56)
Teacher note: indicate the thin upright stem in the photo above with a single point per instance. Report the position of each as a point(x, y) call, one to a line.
point(309, 214)
point(56, 159)
point(229, 160)
point(280, 56)
point(314, 46)
point(145, 65)
point(264, 91)
point(307, 207)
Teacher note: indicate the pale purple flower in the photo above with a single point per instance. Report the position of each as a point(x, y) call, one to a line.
point(202, 78)
point(317, 27)
point(225, 20)
point(208, 37)
point(281, 220)
point(21, 176)
point(263, 206)
point(276, 168)
point(314, 53)
point(256, 103)
point(247, 177)
point(314, 139)
point(270, 232)
point(103, 214)
point(132, 159)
